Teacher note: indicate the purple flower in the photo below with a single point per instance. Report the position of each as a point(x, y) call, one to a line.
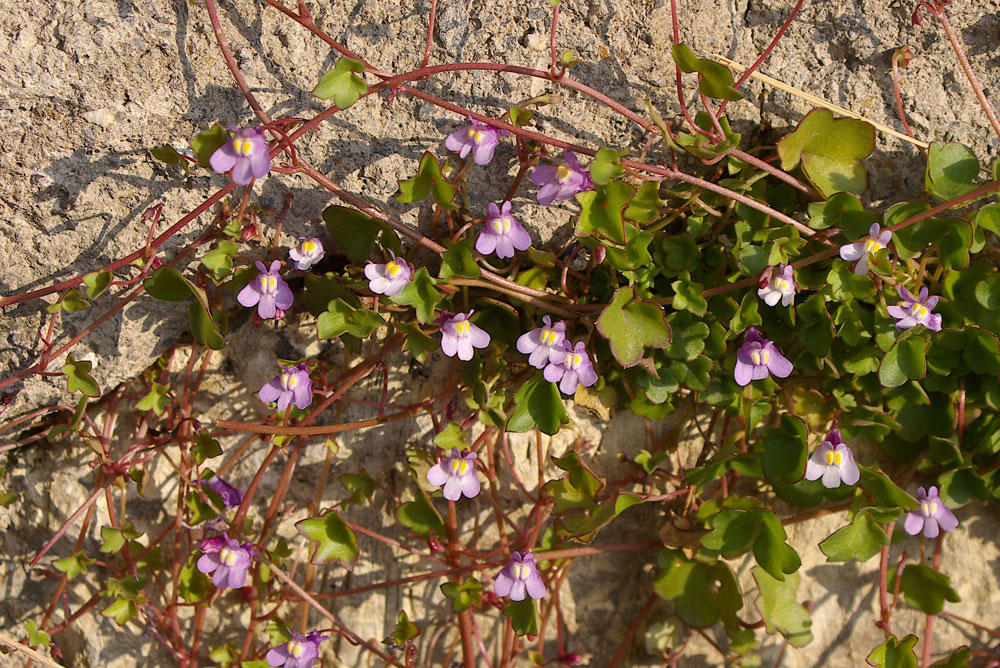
point(457, 474)
point(481, 139)
point(562, 182)
point(781, 286)
point(502, 233)
point(268, 291)
point(390, 278)
point(458, 335)
point(246, 154)
point(913, 311)
point(542, 343)
point(309, 252)
point(570, 366)
point(299, 652)
point(227, 560)
point(757, 358)
point(231, 496)
point(519, 576)
point(833, 461)
point(932, 515)
point(862, 249)
point(293, 386)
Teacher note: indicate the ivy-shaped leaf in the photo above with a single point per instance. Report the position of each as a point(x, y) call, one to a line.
point(602, 210)
point(78, 377)
point(781, 612)
point(421, 294)
point(219, 260)
point(71, 302)
point(97, 282)
point(716, 80)
point(467, 595)
point(121, 610)
point(360, 485)
point(862, 539)
point(342, 83)
point(116, 538)
point(607, 165)
point(342, 318)
point(417, 343)
point(205, 447)
point(952, 170)
point(687, 295)
point(703, 593)
point(925, 588)
point(458, 261)
point(73, 565)
point(405, 629)
point(420, 516)
point(427, 181)
point(957, 659)
point(204, 328)
point(894, 654)
point(631, 325)
point(785, 450)
point(830, 151)
point(904, 361)
point(538, 404)
point(206, 143)
point(35, 636)
point(520, 117)
point(155, 400)
point(335, 538)
point(523, 617)
point(353, 230)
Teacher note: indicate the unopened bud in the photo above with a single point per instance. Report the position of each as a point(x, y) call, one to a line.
point(599, 254)
point(156, 262)
point(248, 232)
point(903, 56)
point(571, 659)
point(433, 543)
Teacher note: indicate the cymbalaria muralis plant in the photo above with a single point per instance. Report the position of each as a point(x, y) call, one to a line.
point(740, 287)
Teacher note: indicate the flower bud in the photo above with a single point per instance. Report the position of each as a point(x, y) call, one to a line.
point(599, 254)
point(571, 659)
point(248, 232)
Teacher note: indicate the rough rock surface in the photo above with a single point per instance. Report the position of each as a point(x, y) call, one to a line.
point(89, 88)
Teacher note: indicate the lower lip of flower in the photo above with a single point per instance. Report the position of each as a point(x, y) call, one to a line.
point(392, 268)
point(919, 310)
point(309, 247)
point(562, 173)
point(296, 649)
point(872, 246)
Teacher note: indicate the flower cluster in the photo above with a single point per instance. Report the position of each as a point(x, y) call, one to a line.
point(758, 358)
point(268, 291)
point(833, 462)
point(245, 154)
point(227, 560)
point(913, 311)
point(931, 517)
point(457, 475)
point(861, 251)
point(293, 386)
point(518, 577)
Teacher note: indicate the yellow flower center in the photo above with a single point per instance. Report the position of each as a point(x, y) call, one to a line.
point(781, 284)
point(296, 648)
point(573, 361)
point(459, 466)
point(521, 571)
point(392, 268)
point(227, 556)
point(933, 509)
point(919, 310)
point(268, 283)
point(243, 146)
point(470, 133)
point(760, 357)
point(562, 173)
point(834, 457)
point(501, 225)
point(289, 381)
point(548, 337)
point(309, 247)
point(872, 246)
point(477, 136)
point(462, 327)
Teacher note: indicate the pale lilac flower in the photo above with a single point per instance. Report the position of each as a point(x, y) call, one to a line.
point(293, 386)
point(457, 475)
point(862, 249)
point(931, 516)
point(389, 279)
point(561, 182)
point(833, 461)
point(482, 140)
point(570, 366)
point(520, 576)
point(502, 233)
point(781, 286)
point(231, 496)
point(246, 153)
point(268, 291)
point(227, 560)
point(459, 335)
point(309, 252)
point(757, 358)
point(299, 652)
point(913, 311)
point(542, 343)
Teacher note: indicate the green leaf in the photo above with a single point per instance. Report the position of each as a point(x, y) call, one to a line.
point(428, 179)
point(607, 165)
point(716, 80)
point(36, 637)
point(206, 143)
point(746, 315)
point(97, 282)
point(420, 516)
point(960, 486)
point(167, 284)
point(704, 593)
point(72, 302)
point(204, 328)
point(894, 654)
point(115, 539)
point(840, 210)
point(360, 485)
point(220, 260)
point(458, 260)
point(520, 117)
point(353, 230)
point(689, 336)
point(122, 610)
point(417, 343)
point(523, 617)
point(829, 151)
point(342, 318)
point(988, 217)
point(780, 610)
point(904, 361)
point(464, 596)
point(699, 145)
point(862, 539)
point(452, 436)
point(167, 154)
point(785, 450)
point(957, 659)
point(687, 295)
point(887, 492)
point(631, 326)
point(193, 585)
point(421, 294)
point(342, 83)
point(925, 589)
point(405, 629)
point(155, 400)
point(205, 447)
point(602, 210)
point(644, 207)
point(538, 403)
point(78, 377)
point(951, 170)
point(335, 537)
